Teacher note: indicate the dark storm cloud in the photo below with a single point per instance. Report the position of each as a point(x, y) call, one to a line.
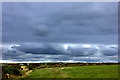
point(58, 52)
point(11, 54)
point(77, 51)
point(40, 49)
point(55, 49)
point(110, 51)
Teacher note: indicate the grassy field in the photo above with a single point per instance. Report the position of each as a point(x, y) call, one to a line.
point(98, 71)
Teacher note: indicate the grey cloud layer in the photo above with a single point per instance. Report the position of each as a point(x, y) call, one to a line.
point(60, 22)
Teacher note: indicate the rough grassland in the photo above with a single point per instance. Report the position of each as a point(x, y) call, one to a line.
point(98, 71)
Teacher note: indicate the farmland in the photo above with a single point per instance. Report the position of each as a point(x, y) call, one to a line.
point(91, 71)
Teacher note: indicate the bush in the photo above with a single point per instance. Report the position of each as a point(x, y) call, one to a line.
point(31, 67)
point(11, 70)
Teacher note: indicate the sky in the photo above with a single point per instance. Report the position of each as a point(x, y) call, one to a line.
point(60, 31)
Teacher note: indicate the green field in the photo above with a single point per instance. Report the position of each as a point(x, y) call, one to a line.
point(97, 71)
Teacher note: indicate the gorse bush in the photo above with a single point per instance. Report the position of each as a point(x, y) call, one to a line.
point(11, 70)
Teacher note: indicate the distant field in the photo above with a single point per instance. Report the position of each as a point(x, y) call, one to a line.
point(98, 71)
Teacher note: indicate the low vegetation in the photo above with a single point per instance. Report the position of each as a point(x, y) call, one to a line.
point(101, 71)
